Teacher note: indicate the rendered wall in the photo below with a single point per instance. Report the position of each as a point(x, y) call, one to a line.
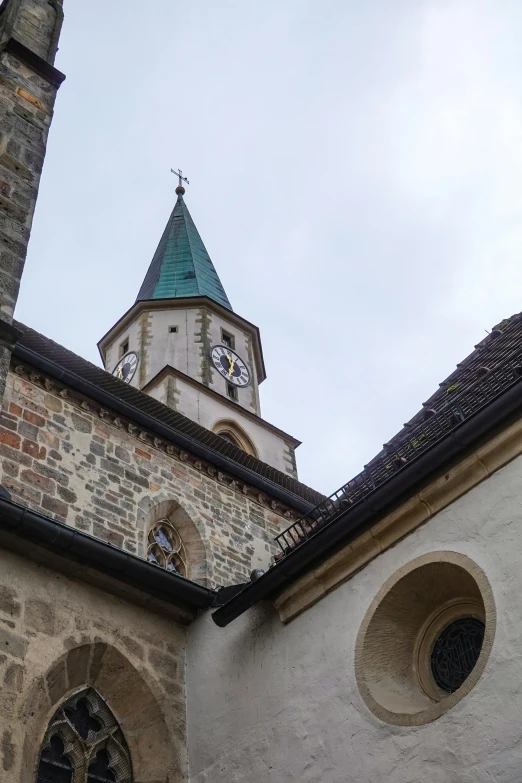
point(198, 405)
point(187, 350)
point(282, 702)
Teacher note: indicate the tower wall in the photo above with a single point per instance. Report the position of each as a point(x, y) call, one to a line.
point(29, 32)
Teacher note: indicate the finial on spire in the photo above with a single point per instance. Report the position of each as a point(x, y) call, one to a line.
point(180, 190)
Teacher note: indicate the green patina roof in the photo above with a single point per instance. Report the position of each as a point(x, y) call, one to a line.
point(181, 266)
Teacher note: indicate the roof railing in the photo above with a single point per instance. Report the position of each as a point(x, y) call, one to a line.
point(398, 455)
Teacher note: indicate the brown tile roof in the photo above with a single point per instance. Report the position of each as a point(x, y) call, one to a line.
point(51, 351)
point(488, 372)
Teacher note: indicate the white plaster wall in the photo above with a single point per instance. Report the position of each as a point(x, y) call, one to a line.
point(178, 349)
point(218, 382)
point(205, 409)
point(268, 702)
point(198, 405)
point(182, 350)
point(112, 355)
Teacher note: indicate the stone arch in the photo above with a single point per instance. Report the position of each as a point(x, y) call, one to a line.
point(231, 430)
point(161, 506)
point(157, 750)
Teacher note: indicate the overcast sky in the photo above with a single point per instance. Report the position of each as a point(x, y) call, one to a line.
point(356, 176)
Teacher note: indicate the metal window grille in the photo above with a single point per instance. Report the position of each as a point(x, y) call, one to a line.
point(84, 744)
point(456, 652)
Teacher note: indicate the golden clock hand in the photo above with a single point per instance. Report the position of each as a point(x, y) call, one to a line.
point(120, 372)
point(232, 363)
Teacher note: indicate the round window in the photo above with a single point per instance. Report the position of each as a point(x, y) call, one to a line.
point(425, 639)
point(456, 652)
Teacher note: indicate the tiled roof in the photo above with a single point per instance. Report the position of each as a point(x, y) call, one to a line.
point(65, 359)
point(181, 266)
point(490, 370)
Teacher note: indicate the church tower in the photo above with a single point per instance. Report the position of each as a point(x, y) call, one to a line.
point(29, 82)
point(182, 343)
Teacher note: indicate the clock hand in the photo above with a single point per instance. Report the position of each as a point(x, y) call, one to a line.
point(231, 363)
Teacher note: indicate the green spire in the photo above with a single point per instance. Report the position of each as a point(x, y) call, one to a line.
point(181, 266)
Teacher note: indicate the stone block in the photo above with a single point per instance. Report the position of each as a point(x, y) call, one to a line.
point(81, 424)
point(57, 682)
point(33, 418)
point(107, 535)
point(67, 495)
point(29, 431)
point(36, 480)
point(78, 666)
point(42, 617)
point(165, 665)
point(9, 603)
point(55, 506)
point(10, 439)
point(13, 644)
point(14, 676)
point(33, 449)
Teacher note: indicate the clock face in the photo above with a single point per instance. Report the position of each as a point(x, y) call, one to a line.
point(126, 367)
point(230, 365)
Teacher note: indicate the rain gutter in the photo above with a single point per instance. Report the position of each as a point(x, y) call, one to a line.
point(360, 516)
point(75, 545)
point(109, 400)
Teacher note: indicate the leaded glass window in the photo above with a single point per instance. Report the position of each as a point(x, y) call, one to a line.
point(84, 744)
point(165, 548)
point(456, 652)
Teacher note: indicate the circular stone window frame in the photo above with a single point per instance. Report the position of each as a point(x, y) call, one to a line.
point(430, 630)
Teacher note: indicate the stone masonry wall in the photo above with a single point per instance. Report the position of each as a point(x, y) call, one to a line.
point(59, 457)
point(27, 97)
point(57, 636)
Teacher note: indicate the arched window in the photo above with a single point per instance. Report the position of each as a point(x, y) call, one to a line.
point(165, 548)
point(230, 438)
point(232, 432)
point(84, 744)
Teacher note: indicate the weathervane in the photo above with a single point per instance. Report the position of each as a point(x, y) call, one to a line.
point(180, 188)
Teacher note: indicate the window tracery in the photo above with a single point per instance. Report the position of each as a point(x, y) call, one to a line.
point(84, 744)
point(165, 548)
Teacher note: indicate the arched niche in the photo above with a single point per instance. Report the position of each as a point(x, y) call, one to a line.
point(153, 509)
point(231, 431)
point(156, 742)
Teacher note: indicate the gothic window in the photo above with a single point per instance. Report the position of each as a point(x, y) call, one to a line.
point(84, 744)
point(232, 432)
point(230, 438)
point(165, 548)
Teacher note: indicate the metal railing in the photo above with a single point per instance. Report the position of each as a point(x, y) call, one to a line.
point(435, 426)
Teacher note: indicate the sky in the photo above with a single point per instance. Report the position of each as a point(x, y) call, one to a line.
point(355, 173)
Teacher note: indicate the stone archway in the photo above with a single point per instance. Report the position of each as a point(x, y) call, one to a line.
point(161, 506)
point(157, 751)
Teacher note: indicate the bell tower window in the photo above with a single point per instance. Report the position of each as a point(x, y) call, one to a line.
point(124, 347)
point(228, 339)
point(231, 391)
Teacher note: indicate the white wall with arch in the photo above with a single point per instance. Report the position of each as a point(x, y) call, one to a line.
point(298, 712)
